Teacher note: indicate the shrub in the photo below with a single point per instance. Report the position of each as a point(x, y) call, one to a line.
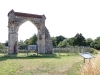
point(1, 47)
point(94, 51)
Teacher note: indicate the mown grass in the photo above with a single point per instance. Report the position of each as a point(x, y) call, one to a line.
point(43, 64)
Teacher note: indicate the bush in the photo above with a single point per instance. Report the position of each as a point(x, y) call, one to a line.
point(94, 51)
point(1, 47)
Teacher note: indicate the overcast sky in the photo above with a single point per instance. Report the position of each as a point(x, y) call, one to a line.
point(63, 17)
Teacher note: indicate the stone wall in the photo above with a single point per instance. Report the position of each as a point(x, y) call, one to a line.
point(48, 42)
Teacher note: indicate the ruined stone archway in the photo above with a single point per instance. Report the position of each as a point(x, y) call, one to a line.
point(15, 19)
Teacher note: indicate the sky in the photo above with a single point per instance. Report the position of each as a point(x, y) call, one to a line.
point(63, 17)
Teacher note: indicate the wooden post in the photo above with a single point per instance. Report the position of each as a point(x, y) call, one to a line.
point(27, 52)
point(59, 51)
point(84, 60)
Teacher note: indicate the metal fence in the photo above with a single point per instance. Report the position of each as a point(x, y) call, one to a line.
point(72, 49)
point(68, 50)
point(4, 50)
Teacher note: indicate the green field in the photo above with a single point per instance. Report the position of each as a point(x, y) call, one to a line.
point(47, 64)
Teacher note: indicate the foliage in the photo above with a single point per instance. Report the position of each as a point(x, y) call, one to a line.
point(1, 47)
point(79, 40)
point(27, 42)
point(65, 43)
point(59, 39)
point(96, 43)
point(88, 41)
point(94, 51)
point(6, 43)
point(21, 45)
point(54, 41)
point(33, 39)
point(60, 44)
point(70, 41)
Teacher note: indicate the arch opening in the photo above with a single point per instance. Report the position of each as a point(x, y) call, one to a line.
point(26, 30)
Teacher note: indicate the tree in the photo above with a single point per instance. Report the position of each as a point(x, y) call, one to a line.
point(21, 44)
point(54, 41)
point(65, 43)
point(60, 44)
point(96, 43)
point(79, 40)
point(59, 39)
point(1, 47)
point(33, 39)
point(70, 41)
point(88, 41)
point(6, 43)
point(26, 41)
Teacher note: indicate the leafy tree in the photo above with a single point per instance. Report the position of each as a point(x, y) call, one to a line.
point(6, 43)
point(96, 43)
point(59, 39)
point(26, 41)
point(64, 42)
point(60, 44)
point(79, 40)
point(88, 41)
point(21, 44)
point(54, 41)
point(33, 39)
point(1, 47)
point(70, 41)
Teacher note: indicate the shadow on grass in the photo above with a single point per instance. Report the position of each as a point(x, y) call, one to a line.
point(34, 56)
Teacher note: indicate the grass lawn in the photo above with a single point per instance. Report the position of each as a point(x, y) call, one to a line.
point(47, 64)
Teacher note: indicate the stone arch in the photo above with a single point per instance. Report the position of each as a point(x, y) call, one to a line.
point(15, 19)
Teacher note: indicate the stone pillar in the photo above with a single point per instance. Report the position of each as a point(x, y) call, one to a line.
point(41, 40)
point(10, 43)
point(41, 43)
point(13, 40)
point(15, 48)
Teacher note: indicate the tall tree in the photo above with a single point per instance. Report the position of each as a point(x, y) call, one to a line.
point(32, 40)
point(71, 41)
point(79, 40)
point(21, 44)
point(60, 44)
point(88, 41)
point(64, 43)
point(6, 43)
point(96, 43)
point(1, 47)
point(59, 39)
point(26, 41)
point(54, 41)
